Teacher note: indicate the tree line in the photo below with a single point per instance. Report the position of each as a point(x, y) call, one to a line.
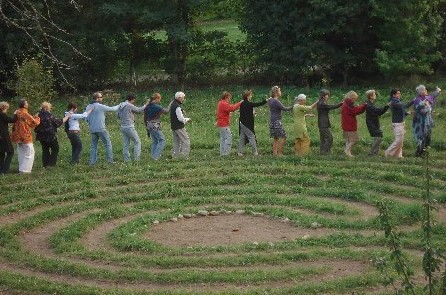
point(86, 44)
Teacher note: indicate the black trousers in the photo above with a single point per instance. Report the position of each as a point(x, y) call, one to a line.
point(50, 151)
point(5, 159)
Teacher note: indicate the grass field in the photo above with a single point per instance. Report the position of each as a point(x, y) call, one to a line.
point(109, 229)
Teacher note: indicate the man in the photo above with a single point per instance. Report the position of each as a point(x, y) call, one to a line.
point(126, 115)
point(96, 123)
point(181, 140)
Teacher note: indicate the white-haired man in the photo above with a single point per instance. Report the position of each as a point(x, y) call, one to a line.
point(181, 140)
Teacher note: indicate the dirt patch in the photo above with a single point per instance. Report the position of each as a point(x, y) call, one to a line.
point(229, 229)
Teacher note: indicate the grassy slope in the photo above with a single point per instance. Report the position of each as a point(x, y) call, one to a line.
point(330, 191)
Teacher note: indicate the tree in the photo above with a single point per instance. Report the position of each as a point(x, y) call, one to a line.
point(301, 38)
point(408, 36)
point(35, 20)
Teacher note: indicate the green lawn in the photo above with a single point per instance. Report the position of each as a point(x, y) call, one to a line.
point(48, 219)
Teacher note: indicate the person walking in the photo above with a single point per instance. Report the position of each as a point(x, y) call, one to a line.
point(372, 114)
point(46, 133)
point(349, 123)
point(276, 130)
point(300, 112)
point(224, 110)
point(73, 130)
point(181, 140)
point(22, 135)
point(6, 148)
point(126, 115)
point(422, 121)
point(399, 113)
point(152, 119)
point(246, 123)
point(323, 121)
point(96, 124)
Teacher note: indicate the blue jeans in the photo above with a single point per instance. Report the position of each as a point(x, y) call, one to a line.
point(129, 133)
point(105, 138)
point(158, 140)
point(76, 146)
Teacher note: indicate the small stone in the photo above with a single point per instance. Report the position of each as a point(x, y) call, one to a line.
point(203, 213)
point(214, 213)
point(257, 214)
point(255, 243)
point(187, 215)
point(174, 219)
point(305, 237)
point(315, 225)
point(180, 216)
point(228, 212)
point(286, 219)
point(194, 215)
point(240, 212)
point(223, 211)
point(156, 222)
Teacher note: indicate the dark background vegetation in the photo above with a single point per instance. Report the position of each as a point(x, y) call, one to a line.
point(96, 44)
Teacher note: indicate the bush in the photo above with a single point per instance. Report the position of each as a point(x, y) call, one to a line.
point(34, 82)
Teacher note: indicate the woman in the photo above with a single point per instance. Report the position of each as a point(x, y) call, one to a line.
point(300, 112)
point(72, 128)
point(46, 134)
point(275, 124)
point(423, 122)
point(372, 114)
point(152, 119)
point(348, 120)
point(422, 125)
point(323, 121)
point(246, 123)
point(22, 135)
point(6, 148)
point(224, 110)
point(398, 110)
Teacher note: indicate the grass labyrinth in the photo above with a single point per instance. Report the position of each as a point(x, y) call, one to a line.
point(273, 225)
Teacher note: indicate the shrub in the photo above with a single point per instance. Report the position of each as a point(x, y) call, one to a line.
point(34, 82)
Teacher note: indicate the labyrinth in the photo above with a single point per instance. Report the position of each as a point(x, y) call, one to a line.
point(210, 225)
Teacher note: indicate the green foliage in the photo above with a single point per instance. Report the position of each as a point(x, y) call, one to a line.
point(408, 35)
point(34, 82)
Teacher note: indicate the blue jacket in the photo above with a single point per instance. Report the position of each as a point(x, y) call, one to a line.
point(96, 119)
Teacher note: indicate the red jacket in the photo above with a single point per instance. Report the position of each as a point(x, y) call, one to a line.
point(348, 115)
point(224, 109)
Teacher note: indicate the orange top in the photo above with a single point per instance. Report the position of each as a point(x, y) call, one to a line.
point(224, 109)
point(22, 128)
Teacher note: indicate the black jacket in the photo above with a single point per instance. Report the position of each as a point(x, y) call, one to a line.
point(323, 121)
point(5, 139)
point(372, 114)
point(247, 113)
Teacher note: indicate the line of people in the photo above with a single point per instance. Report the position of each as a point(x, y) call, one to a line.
point(422, 122)
point(45, 125)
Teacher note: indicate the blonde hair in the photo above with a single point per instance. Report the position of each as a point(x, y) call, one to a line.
point(4, 105)
point(351, 94)
point(274, 90)
point(370, 92)
point(46, 106)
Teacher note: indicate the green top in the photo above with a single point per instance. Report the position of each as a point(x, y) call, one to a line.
point(300, 126)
